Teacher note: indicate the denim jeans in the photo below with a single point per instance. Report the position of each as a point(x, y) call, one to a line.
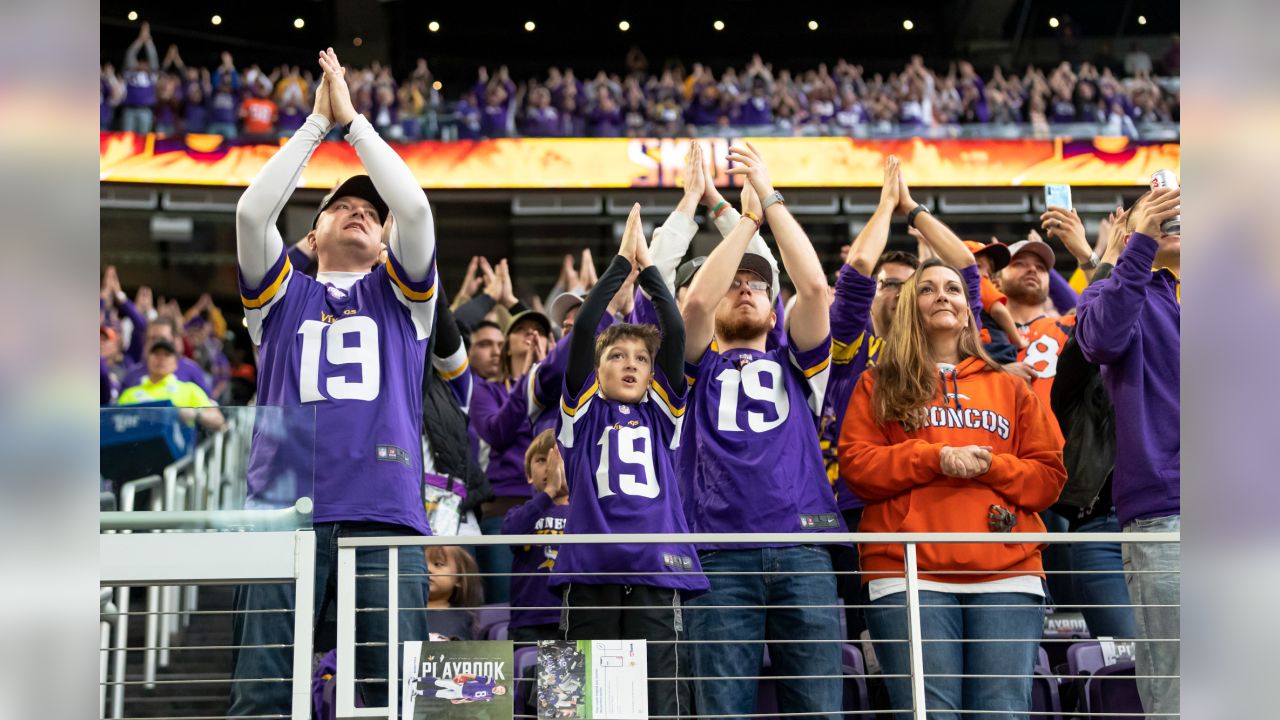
point(779, 622)
point(265, 698)
point(1104, 588)
point(955, 616)
point(136, 120)
point(1160, 584)
point(495, 559)
point(226, 130)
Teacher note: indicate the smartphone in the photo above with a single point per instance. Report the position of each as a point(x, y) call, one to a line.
point(1057, 196)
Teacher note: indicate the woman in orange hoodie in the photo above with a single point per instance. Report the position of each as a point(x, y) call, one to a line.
point(939, 438)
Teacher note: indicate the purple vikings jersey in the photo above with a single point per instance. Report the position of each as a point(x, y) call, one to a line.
point(619, 463)
point(479, 689)
point(356, 356)
point(539, 516)
point(757, 466)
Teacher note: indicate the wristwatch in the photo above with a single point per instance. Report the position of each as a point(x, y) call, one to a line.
point(1092, 262)
point(911, 216)
point(776, 197)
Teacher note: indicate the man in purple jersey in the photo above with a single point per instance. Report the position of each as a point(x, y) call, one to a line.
point(622, 405)
point(348, 347)
point(758, 467)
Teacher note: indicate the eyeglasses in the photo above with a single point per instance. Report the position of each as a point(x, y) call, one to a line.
point(759, 286)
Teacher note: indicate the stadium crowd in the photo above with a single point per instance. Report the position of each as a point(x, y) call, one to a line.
point(966, 387)
point(168, 96)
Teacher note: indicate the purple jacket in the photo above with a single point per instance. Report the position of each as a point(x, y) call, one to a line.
point(499, 418)
point(1129, 324)
point(539, 516)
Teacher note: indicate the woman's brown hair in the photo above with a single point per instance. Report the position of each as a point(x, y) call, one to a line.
point(906, 374)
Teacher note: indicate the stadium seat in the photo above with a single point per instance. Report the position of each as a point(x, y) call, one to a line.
point(489, 615)
point(1044, 694)
point(497, 631)
point(1042, 659)
point(525, 658)
point(1112, 689)
point(1084, 658)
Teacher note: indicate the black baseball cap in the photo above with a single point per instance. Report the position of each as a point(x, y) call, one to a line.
point(164, 346)
point(686, 271)
point(355, 186)
point(751, 262)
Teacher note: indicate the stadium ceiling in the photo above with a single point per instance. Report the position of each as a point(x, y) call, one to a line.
point(587, 37)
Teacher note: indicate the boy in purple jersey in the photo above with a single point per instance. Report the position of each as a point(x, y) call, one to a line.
point(349, 347)
point(546, 514)
point(620, 424)
point(758, 466)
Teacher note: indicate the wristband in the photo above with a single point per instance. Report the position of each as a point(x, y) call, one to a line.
point(752, 217)
point(719, 208)
point(911, 216)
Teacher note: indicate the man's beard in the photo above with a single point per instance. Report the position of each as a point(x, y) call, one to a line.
point(739, 328)
point(1024, 295)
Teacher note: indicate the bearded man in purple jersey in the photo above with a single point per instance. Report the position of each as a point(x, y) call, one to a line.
point(758, 467)
point(347, 349)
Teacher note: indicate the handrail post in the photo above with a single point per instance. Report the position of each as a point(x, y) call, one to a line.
point(393, 632)
point(915, 647)
point(346, 670)
point(303, 621)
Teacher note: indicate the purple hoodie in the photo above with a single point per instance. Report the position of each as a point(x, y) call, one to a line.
point(539, 516)
point(1130, 325)
point(499, 418)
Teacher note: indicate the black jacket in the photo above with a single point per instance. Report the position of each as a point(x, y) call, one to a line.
point(443, 421)
point(1088, 422)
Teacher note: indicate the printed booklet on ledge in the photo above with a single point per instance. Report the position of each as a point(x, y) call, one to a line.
point(470, 679)
point(596, 679)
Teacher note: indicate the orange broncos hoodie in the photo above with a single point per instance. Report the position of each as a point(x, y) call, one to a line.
point(897, 474)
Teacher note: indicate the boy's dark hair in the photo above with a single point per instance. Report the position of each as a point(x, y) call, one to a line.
point(896, 257)
point(647, 334)
point(541, 445)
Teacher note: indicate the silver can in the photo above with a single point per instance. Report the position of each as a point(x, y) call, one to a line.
point(1166, 178)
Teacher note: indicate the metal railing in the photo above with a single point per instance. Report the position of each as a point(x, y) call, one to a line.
point(347, 609)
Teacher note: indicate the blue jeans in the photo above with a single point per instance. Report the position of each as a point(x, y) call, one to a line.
point(226, 130)
point(951, 616)
point(495, 559)
point(1160, 584)
point(265, 698)
point(738, 697)
point(1102, 589)
point(136, 120)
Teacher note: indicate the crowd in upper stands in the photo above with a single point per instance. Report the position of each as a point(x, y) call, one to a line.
point(1117, 96)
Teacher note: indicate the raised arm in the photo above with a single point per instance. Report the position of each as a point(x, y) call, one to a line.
point(413, 240)
point(258, 241)
point(671, 240)
point(671, 350)
point(1107, 316)
point(810, 323)
point(873, 238)
point(933, 232)
point(709, 286)
point(582, 337)
point(144, 40)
